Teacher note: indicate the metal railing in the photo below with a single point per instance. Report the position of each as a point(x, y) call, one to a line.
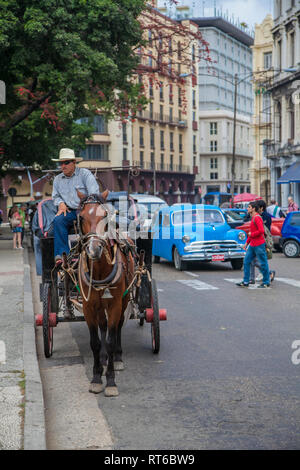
point(148, 165)
point(162, 118)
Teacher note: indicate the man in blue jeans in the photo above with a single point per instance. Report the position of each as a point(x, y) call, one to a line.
point(256, 247)
point(65, 197)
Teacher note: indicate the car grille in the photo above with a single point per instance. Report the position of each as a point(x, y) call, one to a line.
point(214, 246)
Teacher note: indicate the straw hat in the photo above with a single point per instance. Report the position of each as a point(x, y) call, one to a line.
point(66, 155)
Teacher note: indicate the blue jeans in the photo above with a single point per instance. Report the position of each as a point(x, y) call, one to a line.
point(61, 226)
point(260, 253)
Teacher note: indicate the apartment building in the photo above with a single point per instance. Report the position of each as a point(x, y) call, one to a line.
point(230, 49)
point(262, 118)
point(216, 137)
point(283, 149)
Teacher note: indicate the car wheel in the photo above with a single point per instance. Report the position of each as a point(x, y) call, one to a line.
point(156, 259)
point(237, 264)
point(179, 264)
point(291, 249)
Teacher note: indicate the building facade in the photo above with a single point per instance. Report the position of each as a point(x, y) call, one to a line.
point(262, 118)
point(283, 149)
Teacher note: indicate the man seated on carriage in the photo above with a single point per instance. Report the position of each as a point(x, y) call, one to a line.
point(66, 199)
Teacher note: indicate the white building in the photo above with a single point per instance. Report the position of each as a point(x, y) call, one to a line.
point(216, 137)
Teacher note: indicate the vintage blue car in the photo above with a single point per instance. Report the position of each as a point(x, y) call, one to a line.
point(185, 233)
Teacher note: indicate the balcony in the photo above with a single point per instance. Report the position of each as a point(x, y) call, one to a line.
point(168, 167)
point(162, 119)
point(244, 152)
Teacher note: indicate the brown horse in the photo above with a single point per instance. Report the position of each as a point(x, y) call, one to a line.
point(104, 275)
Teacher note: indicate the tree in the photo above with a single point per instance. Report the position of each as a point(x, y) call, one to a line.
point(61, 60)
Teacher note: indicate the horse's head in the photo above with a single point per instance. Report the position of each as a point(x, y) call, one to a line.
point(93, 222)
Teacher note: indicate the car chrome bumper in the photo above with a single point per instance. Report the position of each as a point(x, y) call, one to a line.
point(197, 256)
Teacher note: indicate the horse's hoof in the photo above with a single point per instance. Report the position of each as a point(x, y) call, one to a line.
point(119, 365)
point(96, 388)
point(104, 371)
point(111, 392)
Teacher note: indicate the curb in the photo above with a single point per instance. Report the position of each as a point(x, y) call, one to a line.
point(34, 421)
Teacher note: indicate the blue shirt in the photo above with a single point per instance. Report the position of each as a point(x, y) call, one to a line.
point(64, 187)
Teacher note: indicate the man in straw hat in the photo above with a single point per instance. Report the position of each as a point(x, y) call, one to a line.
point(65, 197)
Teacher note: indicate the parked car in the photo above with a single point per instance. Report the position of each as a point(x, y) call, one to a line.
point(189, 233)
point(276, 227)
point(290, 235)
point(147, 206)
point(235, 217)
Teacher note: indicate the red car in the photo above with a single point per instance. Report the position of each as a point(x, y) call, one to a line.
point(276, 227)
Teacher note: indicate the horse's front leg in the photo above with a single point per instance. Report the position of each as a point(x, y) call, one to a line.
point(118, 361)
point(111, 389)
point(96, 385)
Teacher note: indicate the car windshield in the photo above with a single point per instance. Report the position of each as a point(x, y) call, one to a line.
point(198, 216)
point(151, 207)
point(235, 215)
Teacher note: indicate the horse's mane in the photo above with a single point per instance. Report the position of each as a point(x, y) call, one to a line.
point(92, 198)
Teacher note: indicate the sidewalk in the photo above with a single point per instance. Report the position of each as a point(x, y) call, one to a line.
point(22, 421)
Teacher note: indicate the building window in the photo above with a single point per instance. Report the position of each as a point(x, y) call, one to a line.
point(194, 99)
point(124, 153)
point(213, 146)
point(142, 159)
point(151, 110)
point(213, 163)
point(95, 152)
point(180, 143)
point(213, 128)
point(152, 160)
point(161, 91)
point(171, 162)
point(171, 94)
point(292, 49)
point(124, 129)
point(179, 97)
point(171, 141)
point(162, 163)
point(180, 162)
point(152, 141)
point(161, 112)
point(141, 137)
point(162, 140)
point(151, 88)
point(267, 60)
point(171, 115)
point(194, 144)
point(214, 176)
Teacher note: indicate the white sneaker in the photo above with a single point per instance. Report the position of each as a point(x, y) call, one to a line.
point(259, 277)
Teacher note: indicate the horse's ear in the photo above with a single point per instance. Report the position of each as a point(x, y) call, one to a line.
point(80, 195)
point(105, 194)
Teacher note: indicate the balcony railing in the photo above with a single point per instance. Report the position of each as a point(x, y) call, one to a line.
point(146, 165)
point(162, 118)
point(226, 149)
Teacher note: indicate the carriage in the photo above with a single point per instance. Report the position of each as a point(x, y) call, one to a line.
point(61, 292)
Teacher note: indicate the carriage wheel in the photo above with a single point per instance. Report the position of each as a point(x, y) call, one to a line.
point(47, 329)
point(155, 334)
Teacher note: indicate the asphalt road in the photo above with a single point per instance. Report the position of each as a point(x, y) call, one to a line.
point(224, 377)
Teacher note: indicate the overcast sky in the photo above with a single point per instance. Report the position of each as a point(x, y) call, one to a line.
point(249, 11)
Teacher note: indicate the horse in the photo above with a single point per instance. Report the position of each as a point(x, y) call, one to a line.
point(104, 274)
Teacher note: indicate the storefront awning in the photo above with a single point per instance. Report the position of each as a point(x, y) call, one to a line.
point(292, 175)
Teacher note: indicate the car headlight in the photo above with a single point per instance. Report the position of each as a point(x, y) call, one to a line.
point(242, 236)
point(186, 239)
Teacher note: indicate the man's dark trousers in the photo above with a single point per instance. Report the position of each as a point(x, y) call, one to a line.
point(62, 225)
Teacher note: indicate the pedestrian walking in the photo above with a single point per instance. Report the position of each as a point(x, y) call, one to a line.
point(256, 248)
point(267, 220)
point(292, 207)
point(23, 214)
point(16, 225)
point(275, 210)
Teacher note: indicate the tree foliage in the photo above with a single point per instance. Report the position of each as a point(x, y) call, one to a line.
point(61, 60)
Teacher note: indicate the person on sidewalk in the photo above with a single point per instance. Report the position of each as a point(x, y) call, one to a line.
point(23, 214)
point(275, 210)
point(256, 247)
point(292, 207)
point(17, 230)
point(66, 199)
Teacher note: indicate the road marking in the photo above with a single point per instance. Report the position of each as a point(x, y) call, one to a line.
point(234, 281)
point(160, 290)
point(190, 274)
point(291, 282)
point(198, 285)
point(2, 353)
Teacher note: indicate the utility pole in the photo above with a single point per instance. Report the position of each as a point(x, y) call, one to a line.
point(234, 137)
